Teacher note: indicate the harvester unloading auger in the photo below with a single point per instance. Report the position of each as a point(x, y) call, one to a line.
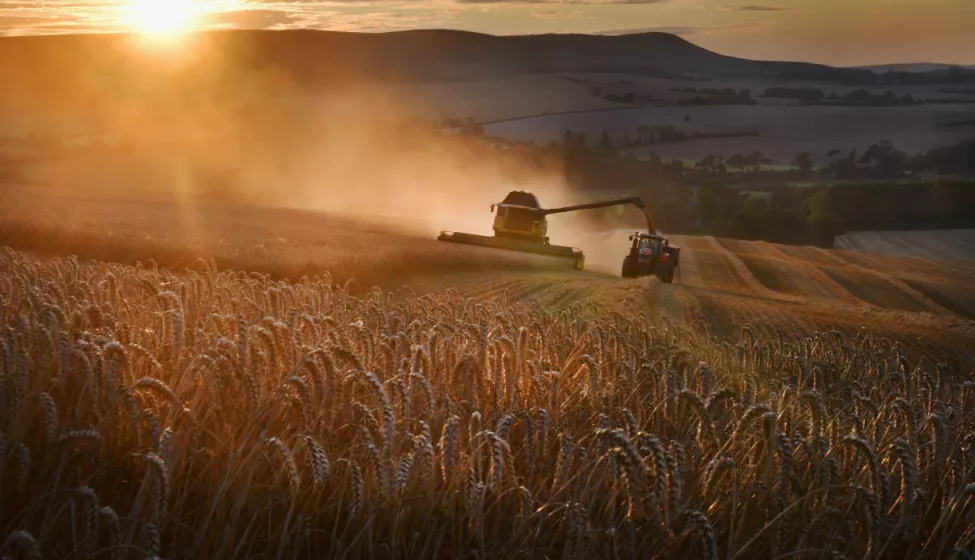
point(520, 225)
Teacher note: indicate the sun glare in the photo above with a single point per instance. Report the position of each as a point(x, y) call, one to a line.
point(163, 18)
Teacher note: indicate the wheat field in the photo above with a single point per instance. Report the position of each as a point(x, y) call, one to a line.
point(207, 414)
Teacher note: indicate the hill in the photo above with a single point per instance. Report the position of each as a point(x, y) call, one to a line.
point(93, 66)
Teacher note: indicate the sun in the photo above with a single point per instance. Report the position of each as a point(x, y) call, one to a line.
point(162, 18)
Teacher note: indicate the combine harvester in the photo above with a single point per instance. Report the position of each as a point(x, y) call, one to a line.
point(520, 225)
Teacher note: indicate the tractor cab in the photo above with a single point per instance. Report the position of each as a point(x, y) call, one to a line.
point(648, 245)
point(645, 245)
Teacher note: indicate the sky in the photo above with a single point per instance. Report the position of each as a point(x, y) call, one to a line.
point(835, 32)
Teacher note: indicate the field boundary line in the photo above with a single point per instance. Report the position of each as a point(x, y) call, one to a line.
point(559, 113)
point(746, 275)
point(831, 286)
point(917, 296)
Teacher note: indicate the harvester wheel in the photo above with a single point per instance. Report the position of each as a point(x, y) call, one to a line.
point(581, 263)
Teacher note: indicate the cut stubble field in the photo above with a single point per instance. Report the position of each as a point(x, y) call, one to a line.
point(951, 244)
point(274, 383)
point(784, 131)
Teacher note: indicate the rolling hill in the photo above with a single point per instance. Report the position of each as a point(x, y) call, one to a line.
point(92, 66)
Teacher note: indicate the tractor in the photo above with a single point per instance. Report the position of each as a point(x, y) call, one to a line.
point(651, 254)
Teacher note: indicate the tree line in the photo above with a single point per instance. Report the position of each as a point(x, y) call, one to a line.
point(698, 199)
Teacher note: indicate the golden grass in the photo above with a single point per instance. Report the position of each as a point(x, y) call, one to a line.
point(223, 414)
point(284, 243)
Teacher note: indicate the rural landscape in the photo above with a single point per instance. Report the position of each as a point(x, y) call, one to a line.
point(245, 314)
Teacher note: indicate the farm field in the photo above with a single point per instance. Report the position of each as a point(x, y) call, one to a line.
point(784, 130)
point(305, 385)
point(664, 88)
point(540, 108)
point(729, 281)
point(926, 244)
point(482, 101)
point(228, 330)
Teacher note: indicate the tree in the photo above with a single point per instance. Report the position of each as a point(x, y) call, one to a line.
point(887, 160)
point(737, 160)
point(804, 162)
point(823, 228)
point(756, 205)
point(847, 168)
point(816, 204)
point(709, 162)
point(673, 215)
point(754, 160)
point(707, 206)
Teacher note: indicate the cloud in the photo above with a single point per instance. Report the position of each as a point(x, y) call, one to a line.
point(589, 2)
point(249, 19)
point(33, 17)
point(756, 8)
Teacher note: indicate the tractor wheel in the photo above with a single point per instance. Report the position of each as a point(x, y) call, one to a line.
point(628, 268)
point(669, 271)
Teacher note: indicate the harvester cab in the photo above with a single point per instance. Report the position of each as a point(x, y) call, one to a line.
point(651, 254)
point(519, 216)
point(520, 224)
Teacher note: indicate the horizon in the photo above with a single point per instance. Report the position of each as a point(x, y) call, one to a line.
point(833, 32)
point(864, 65)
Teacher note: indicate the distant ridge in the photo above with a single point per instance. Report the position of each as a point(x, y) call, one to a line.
point(438, 53)
point(93, 66)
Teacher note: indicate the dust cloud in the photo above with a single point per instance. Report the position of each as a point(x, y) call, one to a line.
point(422, 184)
point(360, 153)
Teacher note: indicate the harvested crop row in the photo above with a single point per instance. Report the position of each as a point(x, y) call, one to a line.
point(220, 414)
point(917, 296)
point(862, 284)
point(713, 266)
point(772, 273)
point(801, 267)
point(745, 274)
